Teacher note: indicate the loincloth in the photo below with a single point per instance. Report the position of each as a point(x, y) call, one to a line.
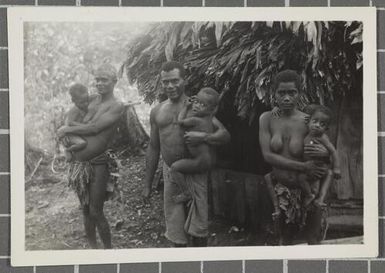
point(81, 173)
point(289, 201)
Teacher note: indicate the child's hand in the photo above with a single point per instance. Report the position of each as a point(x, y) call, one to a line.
point(61, 132)
point(337, 173)
point(276, 112)
point(189, 102)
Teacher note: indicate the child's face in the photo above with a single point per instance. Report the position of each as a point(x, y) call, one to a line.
point(318, 123)
point(81, 102)
point(200, 106)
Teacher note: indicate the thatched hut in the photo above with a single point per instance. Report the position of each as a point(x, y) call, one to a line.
point(239, 60)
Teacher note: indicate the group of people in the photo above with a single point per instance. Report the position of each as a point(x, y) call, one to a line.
point(184, 132)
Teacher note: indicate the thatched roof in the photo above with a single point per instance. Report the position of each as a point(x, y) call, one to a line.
point(242, 57)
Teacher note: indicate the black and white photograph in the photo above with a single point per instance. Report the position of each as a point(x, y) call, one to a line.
point(180, 134)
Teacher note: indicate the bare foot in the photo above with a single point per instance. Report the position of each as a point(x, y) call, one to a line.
point(182, 198)
point(308, 199)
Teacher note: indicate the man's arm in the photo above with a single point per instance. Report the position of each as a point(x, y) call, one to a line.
point(104, 121)
point(152, 155)
point(75, 123)
point(219, 137)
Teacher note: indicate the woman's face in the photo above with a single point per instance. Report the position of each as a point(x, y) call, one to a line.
point(286, 95)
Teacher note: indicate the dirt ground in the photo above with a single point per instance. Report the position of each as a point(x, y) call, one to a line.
point(54, 219)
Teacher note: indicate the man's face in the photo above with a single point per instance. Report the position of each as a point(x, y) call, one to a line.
point(319, 123)
point(81, 102)
point(172, 83)
point(104, 84)
point(286, 95)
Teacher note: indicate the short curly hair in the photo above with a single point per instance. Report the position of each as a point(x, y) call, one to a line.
point(168, 66)
point(315, 108)
point(287, 76)
point(211, 95)
point(77, 90)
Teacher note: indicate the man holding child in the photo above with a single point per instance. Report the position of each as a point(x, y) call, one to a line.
point(168, 138)
point(90, 167)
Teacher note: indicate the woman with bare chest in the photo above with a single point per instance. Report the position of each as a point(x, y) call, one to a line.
point(282, 143)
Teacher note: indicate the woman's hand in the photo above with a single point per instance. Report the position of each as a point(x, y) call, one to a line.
point(314, 170)
point(195, 138)
point(276, 112)
point(316, 150)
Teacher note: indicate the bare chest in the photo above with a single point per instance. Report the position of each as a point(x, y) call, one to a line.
point(97, 109)
point(287, 137)
point(167, 117)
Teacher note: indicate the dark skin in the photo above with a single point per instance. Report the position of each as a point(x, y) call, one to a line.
point(77, 115)
point(168, 138)
point(166, 132)
point(318, 125)
point(282, 143)
point(196, 116)
point(73, 143)
point(99, 131)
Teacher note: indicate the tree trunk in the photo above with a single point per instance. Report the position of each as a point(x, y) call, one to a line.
point(350, 149)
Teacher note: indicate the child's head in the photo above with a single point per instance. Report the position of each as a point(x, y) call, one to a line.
point(79, 96)
point(320, 118)
point(205, 102)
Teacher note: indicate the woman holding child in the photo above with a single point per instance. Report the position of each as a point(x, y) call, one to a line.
point(282, 142)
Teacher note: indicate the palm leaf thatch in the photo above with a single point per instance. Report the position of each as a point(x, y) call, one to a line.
point(243, 57)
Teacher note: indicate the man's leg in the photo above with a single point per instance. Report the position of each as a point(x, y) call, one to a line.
point(184, 194)
point(97, 198)
point(313, 225)
point(89, 226)
point(174, 213)
point(199, 241)
point(197, 220)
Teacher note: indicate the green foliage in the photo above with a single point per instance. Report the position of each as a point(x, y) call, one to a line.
point(57, 55)
point(243, 57)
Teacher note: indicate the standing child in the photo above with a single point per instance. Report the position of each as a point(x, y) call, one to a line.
point(313, 188)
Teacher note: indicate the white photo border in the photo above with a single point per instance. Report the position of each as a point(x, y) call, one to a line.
point(18, 15)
